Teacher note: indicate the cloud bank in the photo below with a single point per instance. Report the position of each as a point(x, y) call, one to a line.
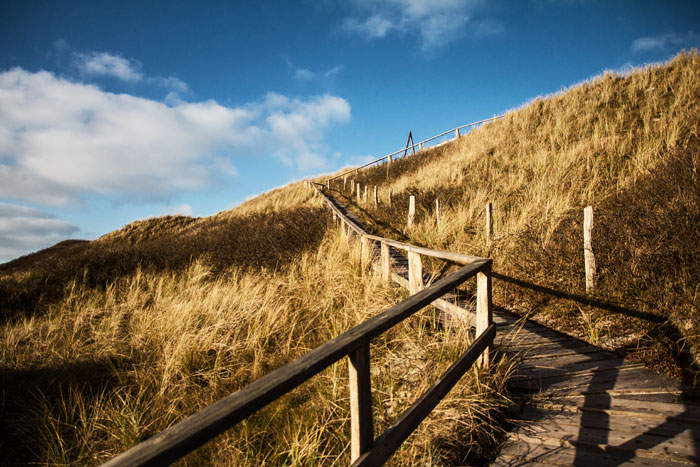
point(664, 41)
point(60, 140)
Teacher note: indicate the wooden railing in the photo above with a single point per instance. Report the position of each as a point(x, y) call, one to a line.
point(180, 439)
point(418, 145)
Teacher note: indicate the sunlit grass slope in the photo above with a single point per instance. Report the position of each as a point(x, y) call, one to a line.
point(155, 321)
point(626, 145)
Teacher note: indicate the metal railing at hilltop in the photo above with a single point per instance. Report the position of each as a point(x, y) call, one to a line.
point(420, 145)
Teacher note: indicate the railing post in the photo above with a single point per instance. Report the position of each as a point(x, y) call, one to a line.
point(411, 210)
point(376, 198)
point(386, 262)
point(361, 426)
point(391, 190)
point(588, 255)
point(389, 159)
point(457, 133)
point(365, 198)
point(364, 250)
point(358, 193)
point(415, 273)
point(345, 183)
point(483, 308)
point(352, 186)
point(437, 213)
point(489, 223)
point(420, 147)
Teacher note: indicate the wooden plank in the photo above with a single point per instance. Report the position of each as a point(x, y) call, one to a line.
point(359, 200)
point(520, 453)
point(653, 410)
point(411, 210)
point(361, 427)
point(669, 428)
point(392, 438)
point(181, 438)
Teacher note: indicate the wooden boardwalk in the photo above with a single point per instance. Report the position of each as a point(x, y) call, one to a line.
point(579, 404)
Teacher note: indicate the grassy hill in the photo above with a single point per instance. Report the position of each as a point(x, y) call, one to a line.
point(104, 343)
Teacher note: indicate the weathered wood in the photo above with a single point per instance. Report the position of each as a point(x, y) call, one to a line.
point(437, 213)
point(365, 197)
point(489, 222)
point(388, 159)
point(390, 193)
point(457, 133)
point(386, 262)
point(484, 313)
point(352, 187)
point(411, 210)
point(392, 438)
point(376, 199)
point(420, 147)
point(415, 273)
point(361, 426)
point(345, 183)
point(364, 251)
point(359, 199)
point(181, 438)
point(588, 248)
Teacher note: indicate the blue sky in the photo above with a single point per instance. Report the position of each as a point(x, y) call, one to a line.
point(117, 111)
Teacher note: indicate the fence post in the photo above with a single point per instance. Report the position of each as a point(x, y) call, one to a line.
point(588, 248)
point(415, 273)
point(420, 147)
point(391, 190)
point(361, 426)
point(352, 186)
point(386, 262)
point(389, 160)
point(376, 198)
point(483, 308)
point(364, 250)
point(489, 223)
point(345, 183)
point(358, 193)
point(365, 198)
point(457, 133)
point(411, 210)
point(437, 213)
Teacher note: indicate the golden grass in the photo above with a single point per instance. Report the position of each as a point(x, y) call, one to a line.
point(104, 368)
point(597, 143)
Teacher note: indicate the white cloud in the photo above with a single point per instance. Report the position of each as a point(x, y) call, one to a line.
point(181, 210)
point(24, 229)
point(105, 64)
point(60, 140)
point(439, 22)
point(664, 41)
point(304, 74)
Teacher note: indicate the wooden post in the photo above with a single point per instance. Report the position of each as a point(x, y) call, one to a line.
point(588, 248)
point(361, 426)
point(364, 250)
point(365, 198)
point(437, 213)
point(457, 133)
point(389, 160)
point(352, 186)
point(420, 147)
point(415, 273)
point(411, 210)
point(345, 183)
point(376, 199)
point(489, 223)
point(386, 262)
point(391, 190)
point(358, 194)
point(328, 184)
point(483, 308)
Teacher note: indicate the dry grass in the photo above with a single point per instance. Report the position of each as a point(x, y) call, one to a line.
point(106, 367)
point(626, 145)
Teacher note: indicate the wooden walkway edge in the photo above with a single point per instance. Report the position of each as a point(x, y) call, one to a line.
point(580, 404)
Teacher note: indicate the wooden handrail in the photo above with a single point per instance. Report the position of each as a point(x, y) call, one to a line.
point(419, 145)
point(185, 436)
point(459, 258)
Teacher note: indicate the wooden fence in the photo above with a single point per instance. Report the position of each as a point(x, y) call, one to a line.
point(420, 146)
point(185, 436)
